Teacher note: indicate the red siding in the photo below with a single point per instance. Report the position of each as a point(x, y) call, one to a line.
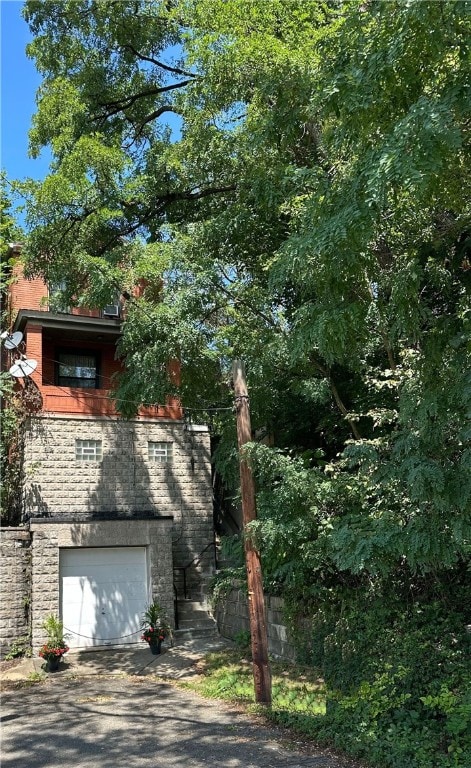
point(74, 400)
point(32, 295)
point(34, 351)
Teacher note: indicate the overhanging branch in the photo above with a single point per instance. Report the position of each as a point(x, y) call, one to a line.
point(111, 108)
point(166, 67)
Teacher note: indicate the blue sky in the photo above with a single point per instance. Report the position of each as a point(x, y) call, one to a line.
point(19, 82)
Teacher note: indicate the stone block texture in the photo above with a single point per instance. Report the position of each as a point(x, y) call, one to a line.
point(125, 481)
point(50, 538)
point(232, 617)
point(15, 586)
point(124, 497)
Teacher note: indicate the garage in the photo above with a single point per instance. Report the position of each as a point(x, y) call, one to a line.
point(104, 593)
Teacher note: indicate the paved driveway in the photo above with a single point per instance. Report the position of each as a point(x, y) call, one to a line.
point(106, 722)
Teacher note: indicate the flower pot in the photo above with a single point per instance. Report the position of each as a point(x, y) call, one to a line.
point(52, 665)
point(155, 647)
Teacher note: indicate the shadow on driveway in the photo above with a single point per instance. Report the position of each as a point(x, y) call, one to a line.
point(136, 722)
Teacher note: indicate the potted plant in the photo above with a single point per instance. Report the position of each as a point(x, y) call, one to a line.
point(53, 650)
point(155, 627)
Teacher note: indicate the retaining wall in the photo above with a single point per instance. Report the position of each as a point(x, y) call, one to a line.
point(15, 586)
point(232, 616)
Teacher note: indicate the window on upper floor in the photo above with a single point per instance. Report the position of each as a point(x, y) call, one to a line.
point(78, 369)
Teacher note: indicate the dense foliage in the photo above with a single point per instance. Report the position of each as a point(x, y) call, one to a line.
point(291, 181)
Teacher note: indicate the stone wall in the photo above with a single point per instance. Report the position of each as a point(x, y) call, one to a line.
point(50, 538)
point(15, 572)
point(125, 481)
point(232, 616)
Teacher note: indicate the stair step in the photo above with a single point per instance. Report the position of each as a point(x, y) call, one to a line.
point(192, 605)
point(196, 623)
point(193, 619)
point(186, 612)
point(192, 634)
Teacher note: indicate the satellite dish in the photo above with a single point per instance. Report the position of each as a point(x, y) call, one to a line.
point(23, 368)
point(12, 340)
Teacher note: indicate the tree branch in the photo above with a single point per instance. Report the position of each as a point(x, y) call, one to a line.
point(386, 344)
point(153, 116)
point(339, 402)
point(243, 303)
point(113, 107)
point(192, 195)
point(166, 67)
point(149, 213)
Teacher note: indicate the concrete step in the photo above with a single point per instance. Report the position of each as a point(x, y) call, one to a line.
point(198, 616)
point(192, 607)
point(196, 623)
point(193, 617)
point(187, 613)
point(193, 634)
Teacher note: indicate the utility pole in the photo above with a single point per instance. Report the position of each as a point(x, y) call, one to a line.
point(257, 617)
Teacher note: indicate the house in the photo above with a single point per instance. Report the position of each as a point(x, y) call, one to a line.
point(116, 513)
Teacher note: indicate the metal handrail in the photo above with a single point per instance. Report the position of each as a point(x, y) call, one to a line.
point(184, 568)
point(175, 607)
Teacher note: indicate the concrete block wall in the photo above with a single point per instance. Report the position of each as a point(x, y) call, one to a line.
point(15, 586)
point(125, 481)
point(45, 586)
point(232, 617)
point(124, 499)
point(50, 538)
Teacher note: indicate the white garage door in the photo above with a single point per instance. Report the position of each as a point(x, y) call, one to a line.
point(103, 595)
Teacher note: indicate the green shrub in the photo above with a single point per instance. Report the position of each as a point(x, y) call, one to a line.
point(243, 639)
point(398, 680)
point(19, 647)
point(54, 629)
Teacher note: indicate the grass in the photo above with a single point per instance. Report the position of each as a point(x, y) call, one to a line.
point(35, 677)
point(229, 675)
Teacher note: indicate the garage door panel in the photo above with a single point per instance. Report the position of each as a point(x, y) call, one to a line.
point(114, 555)
point(104, 595)
point(98, 577)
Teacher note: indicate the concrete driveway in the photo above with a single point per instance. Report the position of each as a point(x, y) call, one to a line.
point(97, 718)
point(174, 662)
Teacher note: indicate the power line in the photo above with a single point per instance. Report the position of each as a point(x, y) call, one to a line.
point(201, 409)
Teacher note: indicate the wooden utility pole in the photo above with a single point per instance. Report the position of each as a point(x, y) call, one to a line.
point(258, 626)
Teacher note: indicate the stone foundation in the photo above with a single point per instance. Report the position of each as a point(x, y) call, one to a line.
point(49, 538)
point(15, 586)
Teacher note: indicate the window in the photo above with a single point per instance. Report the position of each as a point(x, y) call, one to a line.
point(78, 369)
point(88, 450)
point(161, 452)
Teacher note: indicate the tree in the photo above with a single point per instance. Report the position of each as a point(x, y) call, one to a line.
point(310, 218)
point(309, 215)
